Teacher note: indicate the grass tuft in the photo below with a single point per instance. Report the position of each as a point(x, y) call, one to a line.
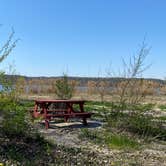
point(115, 141)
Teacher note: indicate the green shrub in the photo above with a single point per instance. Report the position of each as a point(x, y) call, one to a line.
point(139, 122)
point(15, 121)
point(145, 126)
point(63, 88)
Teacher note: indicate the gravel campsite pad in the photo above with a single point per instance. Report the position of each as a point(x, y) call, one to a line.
point(67, 134)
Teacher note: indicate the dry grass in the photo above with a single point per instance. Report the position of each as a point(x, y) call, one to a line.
point(158, 100)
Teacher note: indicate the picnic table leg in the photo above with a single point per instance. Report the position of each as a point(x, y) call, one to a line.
point(46, 123)
point(84, 121)
point(81, 107)
point(66, 118)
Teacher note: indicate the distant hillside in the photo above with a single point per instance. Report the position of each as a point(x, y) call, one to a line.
point(82, 80)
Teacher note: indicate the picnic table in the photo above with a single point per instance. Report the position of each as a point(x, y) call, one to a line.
point(49, 109)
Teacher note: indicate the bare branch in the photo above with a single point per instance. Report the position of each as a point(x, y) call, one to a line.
point(8, 46)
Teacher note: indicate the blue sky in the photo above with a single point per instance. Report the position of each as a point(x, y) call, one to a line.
point(83, 37)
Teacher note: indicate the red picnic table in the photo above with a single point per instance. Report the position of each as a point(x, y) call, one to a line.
point(49, 109)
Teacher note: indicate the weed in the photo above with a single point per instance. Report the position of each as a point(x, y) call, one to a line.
point(162, 107)
point(90, 135)
point(120, 142)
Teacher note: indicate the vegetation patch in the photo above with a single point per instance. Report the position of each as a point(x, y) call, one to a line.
point(162, 107)
point(143, 125)
point(111, 140)
point(121, 142)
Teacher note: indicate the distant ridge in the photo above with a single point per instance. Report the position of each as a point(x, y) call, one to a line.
point(83, 80)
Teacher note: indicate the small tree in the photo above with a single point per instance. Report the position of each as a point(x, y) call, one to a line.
point(5, 50)
point(13, 121)
point(64, 88)
point(129, 89)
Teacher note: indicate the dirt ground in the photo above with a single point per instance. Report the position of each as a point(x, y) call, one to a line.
point(67, 134)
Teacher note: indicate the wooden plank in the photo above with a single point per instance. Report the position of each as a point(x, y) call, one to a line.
point(60, 101)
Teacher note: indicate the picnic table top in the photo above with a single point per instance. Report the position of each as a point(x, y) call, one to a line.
point(59, 101)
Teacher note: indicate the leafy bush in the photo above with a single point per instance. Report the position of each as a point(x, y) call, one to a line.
point(15, 121)
point(25, 150)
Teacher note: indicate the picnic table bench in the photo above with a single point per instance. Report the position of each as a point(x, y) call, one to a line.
point(49, 109)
